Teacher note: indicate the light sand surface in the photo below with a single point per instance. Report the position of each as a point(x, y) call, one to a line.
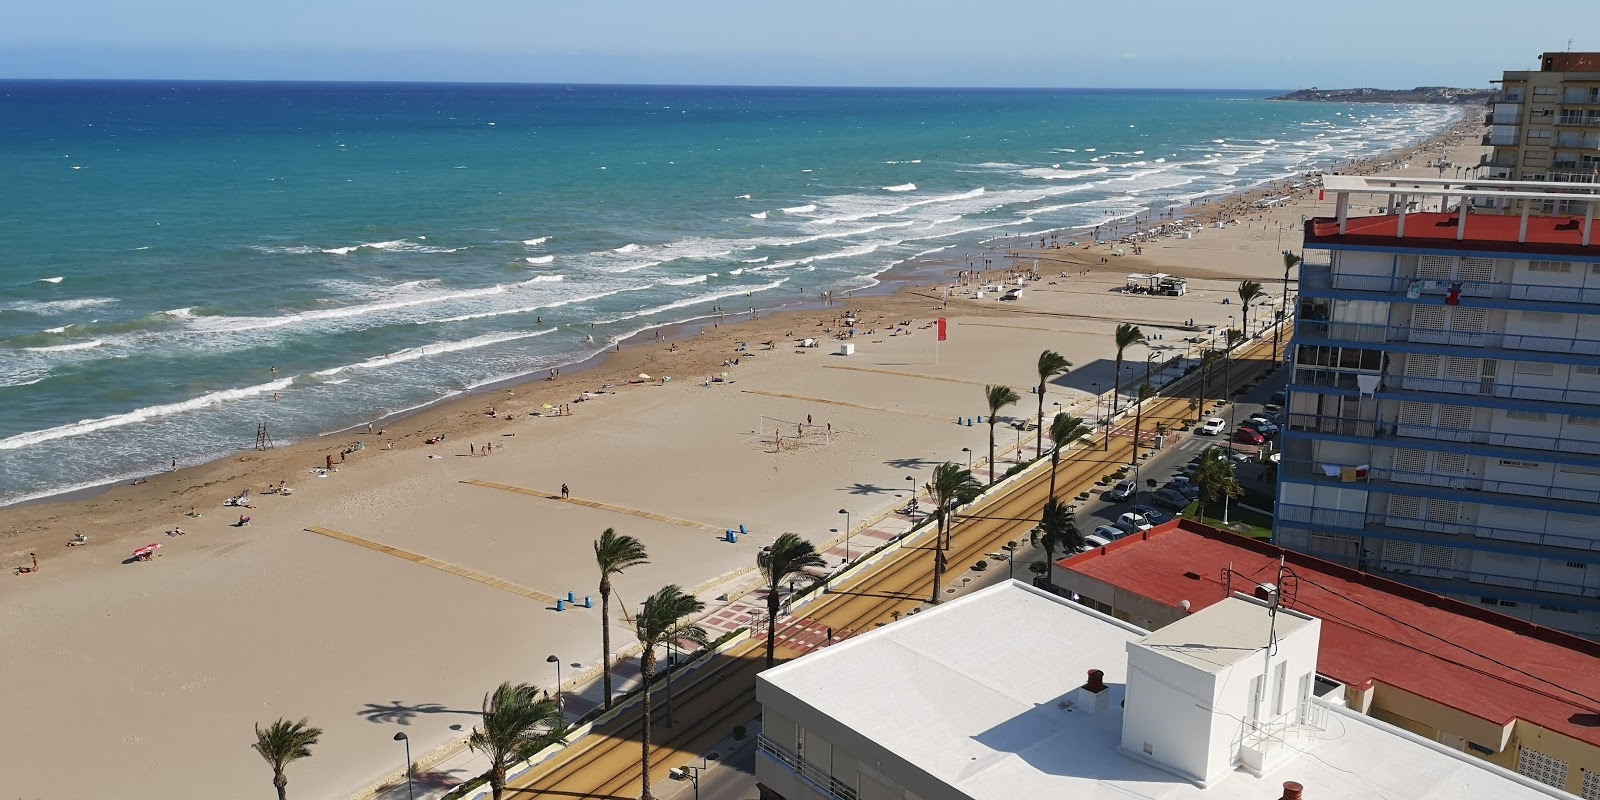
point(142, 680)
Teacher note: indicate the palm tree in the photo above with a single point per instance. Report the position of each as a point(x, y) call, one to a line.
point(1249, 292)
point(613, 553)
point(950, 484)
point(1051, 364)
point(284, 742)
point(1058, 530)
point(999, 397)
point(517, 724)
point(660, 622)
point(1127, 336)
point(1208, 361)
point(1290, 261)
point(789, 556)
point(1145, 393)
point(1064, 430)
point(1214, 476)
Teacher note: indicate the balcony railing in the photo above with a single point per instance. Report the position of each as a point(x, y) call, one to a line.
point(1315, 278)
point(1378, 334)
point(1468, 483)
point(1498, 160)
point(1514, 582)
point(1362, 521)
point(1488, 387)
point(1582, 175)
point(1431, 433)
point(1584, 120)
point(816, 778)
point(1500, 140)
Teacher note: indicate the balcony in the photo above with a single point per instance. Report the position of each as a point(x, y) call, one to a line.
point(1481, 387)
point(1508, 97)
point(1539, 448)
point(1580, 97)
point(1321, 277)
point(1489, 579)
point(1500, 140)
point(1580, 120)
point(1448, 534)
point(1586, 176)
point(1506, 160)
point(1578, 141)
point(1361, 333)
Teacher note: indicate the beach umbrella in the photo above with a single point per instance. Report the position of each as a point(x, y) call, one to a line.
point(643, 377)
point(147, 550)
point(547, 406)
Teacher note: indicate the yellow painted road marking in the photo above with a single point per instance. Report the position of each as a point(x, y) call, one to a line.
point(687, 523)
point(505, 586)
point(845, 404)
point(899, 374)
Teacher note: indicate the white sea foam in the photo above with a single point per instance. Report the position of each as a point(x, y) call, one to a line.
point(702, 298)
point(687, 281)
point(62, 329)
point(539, 259)
point(1055, 173)
point(140, 415)
point(759, 215)
point(50, 307)
point(805, 209)
point(742, 197)
point(61, 348)
point(57, 279)
point(538, 241)
point(904, 187)
point(735, 272)
point(297, 250)
point(414, 353)
point(761, 260)
point(547, 278)
point(627, 248)
point(236, 324)
point(180, 313)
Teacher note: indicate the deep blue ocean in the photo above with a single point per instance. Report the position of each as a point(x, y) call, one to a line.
point(165, 246)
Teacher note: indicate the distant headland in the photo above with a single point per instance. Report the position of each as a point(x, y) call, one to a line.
point(1443, 95)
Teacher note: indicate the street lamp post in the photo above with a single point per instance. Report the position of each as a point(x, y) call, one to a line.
point(846, 513)
point(401, 737)
point(968, 451)
point(561, 704)
point(913, 503)
point(692, 772)
point(1227, 370)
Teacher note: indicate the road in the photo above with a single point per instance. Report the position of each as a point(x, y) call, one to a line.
point(605, 764)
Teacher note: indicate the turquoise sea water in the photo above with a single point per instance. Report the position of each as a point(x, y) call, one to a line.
point(165, 246)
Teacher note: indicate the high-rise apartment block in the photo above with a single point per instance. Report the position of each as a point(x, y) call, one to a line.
point(1545, 124)
point(1443, 416)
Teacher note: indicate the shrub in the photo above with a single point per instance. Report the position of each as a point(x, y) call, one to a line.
point(1038, 568)
point(739, 733)
point(980, 566)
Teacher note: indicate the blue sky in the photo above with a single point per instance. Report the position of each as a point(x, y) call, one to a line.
point(1054, 43)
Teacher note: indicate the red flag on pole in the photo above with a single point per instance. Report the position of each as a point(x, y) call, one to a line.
point(941, 329)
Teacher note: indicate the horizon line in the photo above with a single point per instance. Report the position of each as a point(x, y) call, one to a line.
point(559, 84)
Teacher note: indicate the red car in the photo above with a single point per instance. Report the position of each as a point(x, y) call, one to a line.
point(1248, 436)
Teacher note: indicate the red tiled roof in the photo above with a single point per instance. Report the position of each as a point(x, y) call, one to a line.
point(1376, 629)
point(1436, 231)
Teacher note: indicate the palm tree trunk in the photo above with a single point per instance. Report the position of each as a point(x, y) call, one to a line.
point(1038, 442)
point(605, 641)
point(991, 448)
point(772, 622)
point(647, 664)
point(1116, 389)
point(281, 783)
point(1138, 420)
point(497, 781)
point(1055, 462)
point(938, 573)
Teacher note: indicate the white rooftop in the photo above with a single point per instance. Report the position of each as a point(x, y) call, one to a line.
point(969, 693)
point(1225, 635)
point(1452, 187)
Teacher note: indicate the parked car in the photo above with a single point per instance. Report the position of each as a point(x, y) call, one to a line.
point(1249, 436)
point(1124, 490)
point(1171, 498)
point(1183, 485)
point(1212, 427)
point(1156, 516)
point(1278, 397)
point(1094, 540)
point(1261, 426)
point(1131, 523)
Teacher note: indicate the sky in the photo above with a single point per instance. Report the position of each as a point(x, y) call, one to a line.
point(1231, 44)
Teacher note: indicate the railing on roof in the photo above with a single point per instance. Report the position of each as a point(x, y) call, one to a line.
point(815, 778)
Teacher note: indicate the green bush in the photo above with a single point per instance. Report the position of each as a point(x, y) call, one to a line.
point(739, 733)
point(980, 566)
point(467, 788)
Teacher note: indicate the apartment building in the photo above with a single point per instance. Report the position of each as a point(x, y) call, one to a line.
point(1545, 123)
point(1443, 423)
point(1012, 692)
point(1461, 674)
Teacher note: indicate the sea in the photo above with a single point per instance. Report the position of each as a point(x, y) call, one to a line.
point(181, 262)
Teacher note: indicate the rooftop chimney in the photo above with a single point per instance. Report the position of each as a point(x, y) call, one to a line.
point(1092, 697)
point(1291, 790)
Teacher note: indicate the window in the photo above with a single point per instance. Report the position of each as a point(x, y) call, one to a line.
point(1549, 266)
point(1545, 93)
point(1438, 557)
point(1540, 317)
point(1591, 422)
point(1488, 601)
point(1546, 769)
point(1589, 372)
point(1508, 604)
point(1280, 686)
point(1578, 469)
point(1535, 135)
point(1527, 416)
point(1450, 463)
point(1557, 609)
point(1479, 749)
point(1577, 565)
point(1530, 368)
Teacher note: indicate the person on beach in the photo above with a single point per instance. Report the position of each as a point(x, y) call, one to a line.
point(472, 449)
point(565, 492)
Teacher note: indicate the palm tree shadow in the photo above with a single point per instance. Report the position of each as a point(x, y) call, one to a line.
point(402, 714)
point(865, 489)
point(910, 463)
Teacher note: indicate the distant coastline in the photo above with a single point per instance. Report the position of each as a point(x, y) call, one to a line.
point(1438, 95)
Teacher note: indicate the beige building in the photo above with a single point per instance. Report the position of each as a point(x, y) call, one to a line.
point(1545, 123)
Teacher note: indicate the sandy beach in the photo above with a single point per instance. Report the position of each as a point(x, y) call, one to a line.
point(366, 599)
